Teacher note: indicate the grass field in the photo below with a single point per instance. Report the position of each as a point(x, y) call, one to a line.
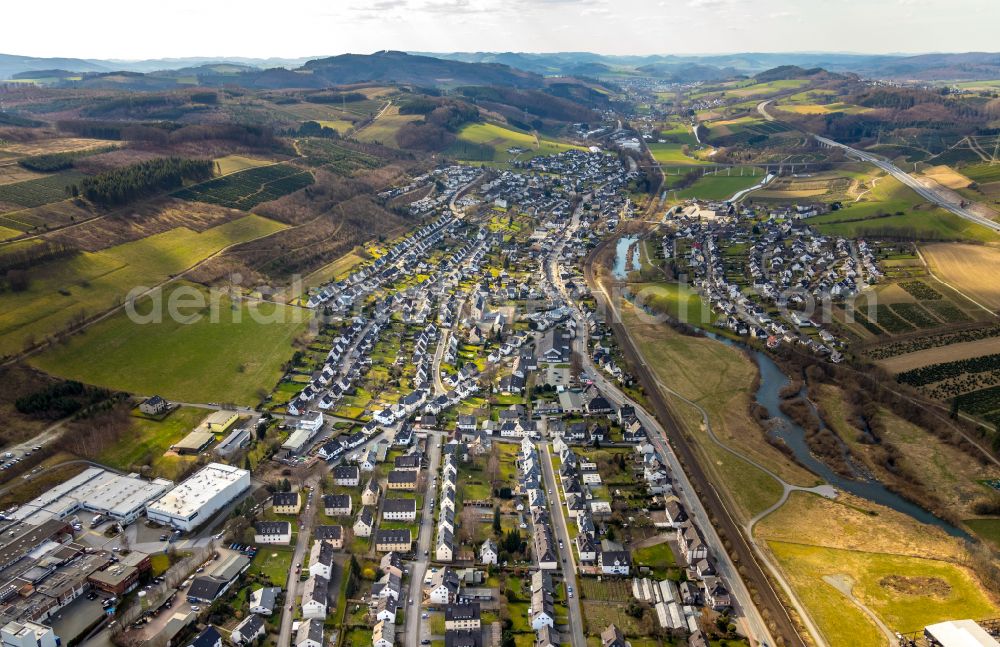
point(90, 283)
point(906, 593)
point(971, 269)
point(887, 207)
point(672, 154)
point(718, 378)
point(678, 132)
point(227, 361)
point(676, 300)
point(235, 163)
point(383, 130)
point(333, 271)
point(988, 529)
point(475, 141)
point(903, 571)
point(768, 87)
point(149, 439)
point(718, 186)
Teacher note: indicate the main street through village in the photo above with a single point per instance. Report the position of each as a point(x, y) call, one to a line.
point(453, 400)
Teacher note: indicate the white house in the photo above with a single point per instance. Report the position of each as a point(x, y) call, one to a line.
point(314, 597)
point(249, 630)
point(488, 553)
point(272, 532)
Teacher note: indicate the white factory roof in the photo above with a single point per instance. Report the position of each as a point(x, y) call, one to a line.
point(94, 489)
point(960, 633)
point(193, 493)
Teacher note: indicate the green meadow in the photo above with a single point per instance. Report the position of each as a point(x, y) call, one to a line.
point(89, 283)
point(231, 360)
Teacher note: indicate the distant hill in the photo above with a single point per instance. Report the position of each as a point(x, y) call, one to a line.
point(929, 67)
point(11, 65)
point(687, 72)
point(399, 67)
point(785, 72)
point(520, 69)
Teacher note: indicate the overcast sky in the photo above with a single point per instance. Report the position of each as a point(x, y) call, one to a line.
point(292, 28)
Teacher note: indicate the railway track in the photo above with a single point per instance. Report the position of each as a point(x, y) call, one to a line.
point(740, 549)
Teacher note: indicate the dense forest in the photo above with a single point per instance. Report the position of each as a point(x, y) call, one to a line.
point(123, 185)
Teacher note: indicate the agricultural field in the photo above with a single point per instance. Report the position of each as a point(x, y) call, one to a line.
point(383, 130)
point(11, 172)
point(35, 193)
point(247, 189)
point(902, 571)
point(88, 283)
point(55, 145)
point(953, 352)
point(330, 155)
point(970, 269)
point(822, 109)
point(228, 360)
point(236, 163)
point(490, 142)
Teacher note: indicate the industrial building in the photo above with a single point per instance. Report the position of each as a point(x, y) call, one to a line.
point(959, 633)
point(122, 498)
point(200, 496)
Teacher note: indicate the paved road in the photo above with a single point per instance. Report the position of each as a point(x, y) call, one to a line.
point(301, 545)
point(754, 622)
point(927, 193)
point(568, 561)
point(749, 555)
point(424, 539)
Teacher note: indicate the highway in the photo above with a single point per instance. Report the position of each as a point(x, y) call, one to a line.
point(927, 193)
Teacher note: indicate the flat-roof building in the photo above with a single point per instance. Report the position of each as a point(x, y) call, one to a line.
point(200, 496)
point(960, 633)
point(119, 497)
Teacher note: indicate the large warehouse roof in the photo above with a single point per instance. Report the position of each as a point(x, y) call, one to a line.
point(960, 633)
point(192, 494)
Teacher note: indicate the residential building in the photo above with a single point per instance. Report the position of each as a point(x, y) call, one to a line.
point(286, 502)
point(462, 617)
point(389, 540)
point(272, 532)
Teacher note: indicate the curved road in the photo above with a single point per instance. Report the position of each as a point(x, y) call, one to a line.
point(927, 193)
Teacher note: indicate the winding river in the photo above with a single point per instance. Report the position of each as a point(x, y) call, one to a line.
point(772, 380)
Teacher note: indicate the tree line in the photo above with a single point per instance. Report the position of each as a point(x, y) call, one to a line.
point(52, 162)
